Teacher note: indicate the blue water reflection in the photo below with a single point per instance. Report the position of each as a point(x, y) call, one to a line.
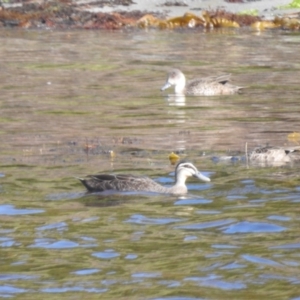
point(7, 291)
point(8, 242)
point(131, 256)
point(57, 226)
point(107, 254)
point(253, 227)
point(215, 281)
point(287, 246)
point(57, 290)
point(146, 275)
point(261, 260)
point(10, 210)
point(205, 225)
point(192, 201)
point(53, 244)
point(86, 272)
point(140, 219)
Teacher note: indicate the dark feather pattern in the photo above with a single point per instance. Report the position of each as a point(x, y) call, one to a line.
point(275, 156)
point(127, 183)
point(120, 182)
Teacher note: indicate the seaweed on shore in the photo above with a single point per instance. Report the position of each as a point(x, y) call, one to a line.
point(63, 14)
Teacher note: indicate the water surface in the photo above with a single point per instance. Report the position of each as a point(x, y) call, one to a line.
point(68, 99)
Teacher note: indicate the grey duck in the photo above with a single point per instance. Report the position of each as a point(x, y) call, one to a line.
point(275, 156)
point(207, 86)
point(132, 183)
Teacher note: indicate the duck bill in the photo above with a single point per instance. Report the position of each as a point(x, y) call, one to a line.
point(202, 177)
point(166, 86)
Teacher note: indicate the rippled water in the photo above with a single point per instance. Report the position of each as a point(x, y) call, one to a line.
point(68, 99)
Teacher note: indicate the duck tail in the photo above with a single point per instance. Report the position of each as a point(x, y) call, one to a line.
point(84, 182)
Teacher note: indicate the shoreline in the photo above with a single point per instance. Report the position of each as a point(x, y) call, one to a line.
point(118, 14)
point(266, 9)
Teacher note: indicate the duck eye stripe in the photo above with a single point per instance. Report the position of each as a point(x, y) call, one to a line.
point(188, 166)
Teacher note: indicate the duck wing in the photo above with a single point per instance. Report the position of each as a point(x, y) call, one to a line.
point(120, 182)
point(222, 79)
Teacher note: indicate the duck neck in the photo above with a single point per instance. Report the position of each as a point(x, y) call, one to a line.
point(180, 186)
point(180, 86)
point(178, 190)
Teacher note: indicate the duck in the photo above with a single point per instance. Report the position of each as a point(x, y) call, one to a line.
point(274, 156)
point(265, 156)
point(133, 183)
point(208, 86)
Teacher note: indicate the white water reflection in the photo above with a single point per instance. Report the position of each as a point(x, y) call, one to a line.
point(175, 100)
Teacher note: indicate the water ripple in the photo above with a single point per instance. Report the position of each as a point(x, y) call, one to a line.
point(214, 281)
point(169, 283)
point(287, 246)
point(264, 278)
point(53, 244)
point(5, 277)
point(233, 266)
point(8, 242)
point(253, 227)
point(146, 275)
point(58, 226)
point(72, 289)
point(8, 290)
point(190, 238)
point(140, 219)
point(7, 209)
point(205, 225)
point(279, 218)
point(192, 201)
point(86, 271)
point(64, 196)
point(261, 261)
point(131, 256)
point(107, 254)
